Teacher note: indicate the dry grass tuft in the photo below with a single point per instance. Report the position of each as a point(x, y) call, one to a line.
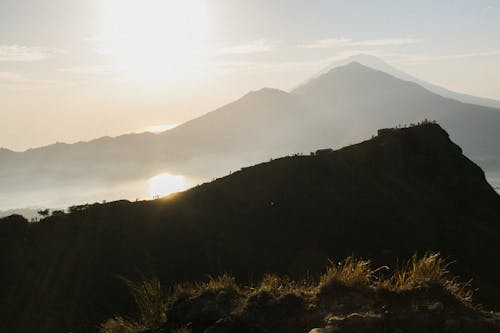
point(214, 285)
point(150, 300)
point(416, 273)
point(277, 285)
point(427, 271)
point(351, 272)
point(270, 283)
point(223, 282)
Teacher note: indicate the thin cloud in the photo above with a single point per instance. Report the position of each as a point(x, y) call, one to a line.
point(256, 46)
point(91, 70)
point(413, 58)
point(318, 64)
point(15, 80)
point(326, 43)
point(18, 53)
point(229, 67)
point(385, 42)
point(342, 41)
point(431, 58)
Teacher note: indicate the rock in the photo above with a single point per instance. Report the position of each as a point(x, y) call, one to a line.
point(358, 323)
point(334, 321)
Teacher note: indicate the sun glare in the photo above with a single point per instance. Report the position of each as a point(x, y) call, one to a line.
point(154, 39)
point(159, 128)
point(165, 183)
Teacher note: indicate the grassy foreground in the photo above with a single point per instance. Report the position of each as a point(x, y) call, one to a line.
point(351, 296)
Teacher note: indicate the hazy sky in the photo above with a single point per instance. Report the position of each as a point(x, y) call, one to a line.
point(77, 69)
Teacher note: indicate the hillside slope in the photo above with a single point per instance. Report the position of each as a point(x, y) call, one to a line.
point(404, 191)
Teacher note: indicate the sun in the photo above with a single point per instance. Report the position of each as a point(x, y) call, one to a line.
point(165, 183)
point(151, 39)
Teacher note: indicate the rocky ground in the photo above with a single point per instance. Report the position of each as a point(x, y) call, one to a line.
point(348, 298)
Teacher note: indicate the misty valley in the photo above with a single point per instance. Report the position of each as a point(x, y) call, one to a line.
point(60, 197)
point(322, 112)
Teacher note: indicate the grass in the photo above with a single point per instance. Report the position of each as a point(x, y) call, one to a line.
point(150, 300)
point(214, 285)
point(224, 282)
point(429, 271)
point(151, 304)
point(351, 273)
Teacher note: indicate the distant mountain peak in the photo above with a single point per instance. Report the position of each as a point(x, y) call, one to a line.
point(265, 91)
point(353, 65)
point(379, 64)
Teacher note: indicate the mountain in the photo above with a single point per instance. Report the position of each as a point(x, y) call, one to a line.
point(386, 99)
point(380, 65)
point(337, 108)
point(405, 190)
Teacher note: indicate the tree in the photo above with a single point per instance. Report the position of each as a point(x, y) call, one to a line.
point(58, 213)
point(44, 212)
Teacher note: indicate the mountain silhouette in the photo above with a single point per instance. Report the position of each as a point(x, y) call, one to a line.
point(380, 65)
point(404, 191)
point(386, 98)
point(337, 108)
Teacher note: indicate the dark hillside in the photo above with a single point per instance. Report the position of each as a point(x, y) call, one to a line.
point(407, 190)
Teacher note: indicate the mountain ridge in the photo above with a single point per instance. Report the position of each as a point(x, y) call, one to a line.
point(340, 107)
point(378, 64)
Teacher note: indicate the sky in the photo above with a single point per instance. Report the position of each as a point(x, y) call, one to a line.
point(73, 70)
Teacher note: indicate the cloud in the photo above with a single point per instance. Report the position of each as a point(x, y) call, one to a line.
point(342, 41)
point(228, 67)
point(315, 65)
point(18, 53)
point(385, 42)
point(430, 58)
point(326, 43)
point(415, 58)
point(256, 46)
point(92, 69)
point(15, 80)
